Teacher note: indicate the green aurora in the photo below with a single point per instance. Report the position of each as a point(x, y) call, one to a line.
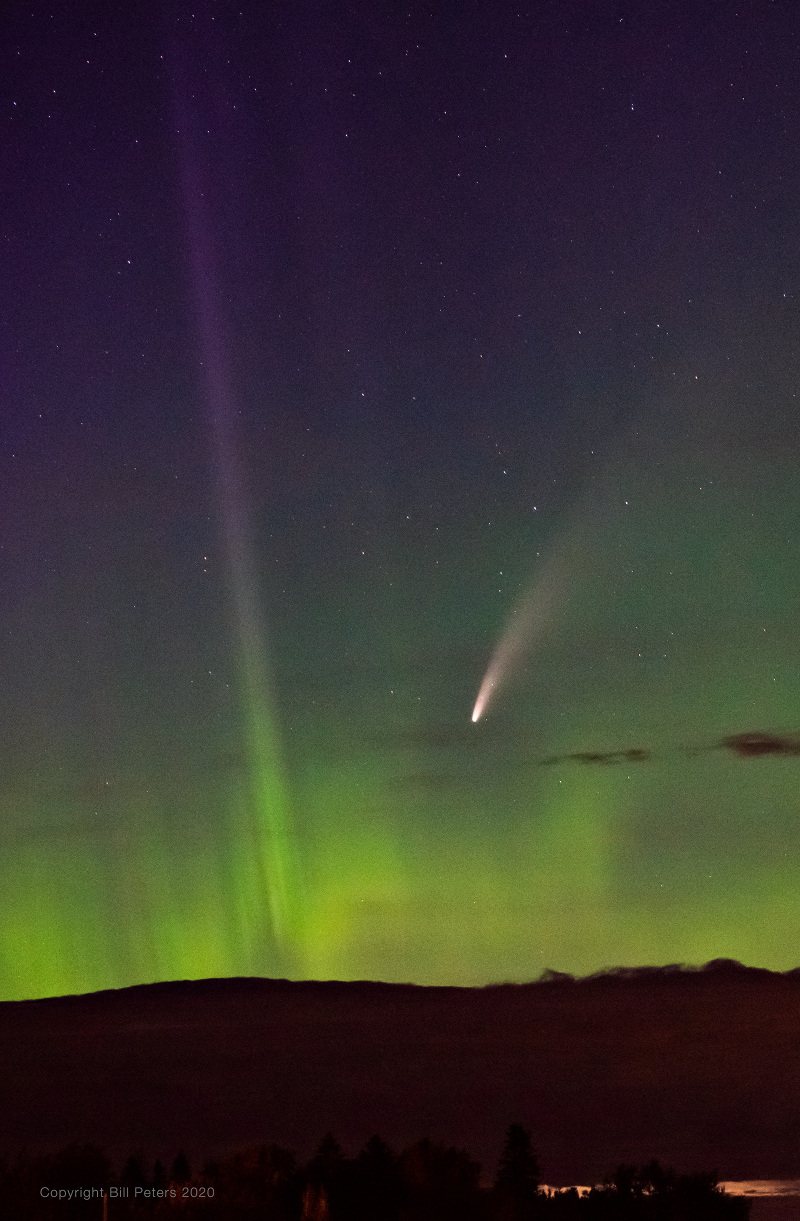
point(434, 850)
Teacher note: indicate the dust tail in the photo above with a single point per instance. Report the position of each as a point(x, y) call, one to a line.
point(529, 620)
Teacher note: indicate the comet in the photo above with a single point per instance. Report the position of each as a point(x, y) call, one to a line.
point(526, 624)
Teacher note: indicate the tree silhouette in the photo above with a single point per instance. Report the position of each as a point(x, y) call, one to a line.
point(439, 1182)
point(518, 1164)
point(180, 1171)
point(325, 1187)
point(376, 1192)
point(328, 1162)
point(133, 1172)
point(517, 1183)
point(656, 1193)
point(251, 1184)
point(427, 1182)
point(75, 1167)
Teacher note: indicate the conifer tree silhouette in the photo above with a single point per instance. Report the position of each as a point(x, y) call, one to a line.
point(180, 1172)
point(517, 1181)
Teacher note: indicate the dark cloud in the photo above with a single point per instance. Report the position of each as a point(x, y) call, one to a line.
point(751, 745)
point(634, 755)
point(754, 745)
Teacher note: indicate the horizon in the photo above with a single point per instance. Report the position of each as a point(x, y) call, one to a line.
point(644, 972)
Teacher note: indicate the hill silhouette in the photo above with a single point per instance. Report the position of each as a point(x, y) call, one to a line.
point(697, 1067)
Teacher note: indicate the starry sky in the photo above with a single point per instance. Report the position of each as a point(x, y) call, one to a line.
point(343, 348)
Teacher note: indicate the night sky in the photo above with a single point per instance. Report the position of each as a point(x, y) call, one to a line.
point(346, 352)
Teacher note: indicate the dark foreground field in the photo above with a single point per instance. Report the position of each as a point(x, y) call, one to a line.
point(700, 1069)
